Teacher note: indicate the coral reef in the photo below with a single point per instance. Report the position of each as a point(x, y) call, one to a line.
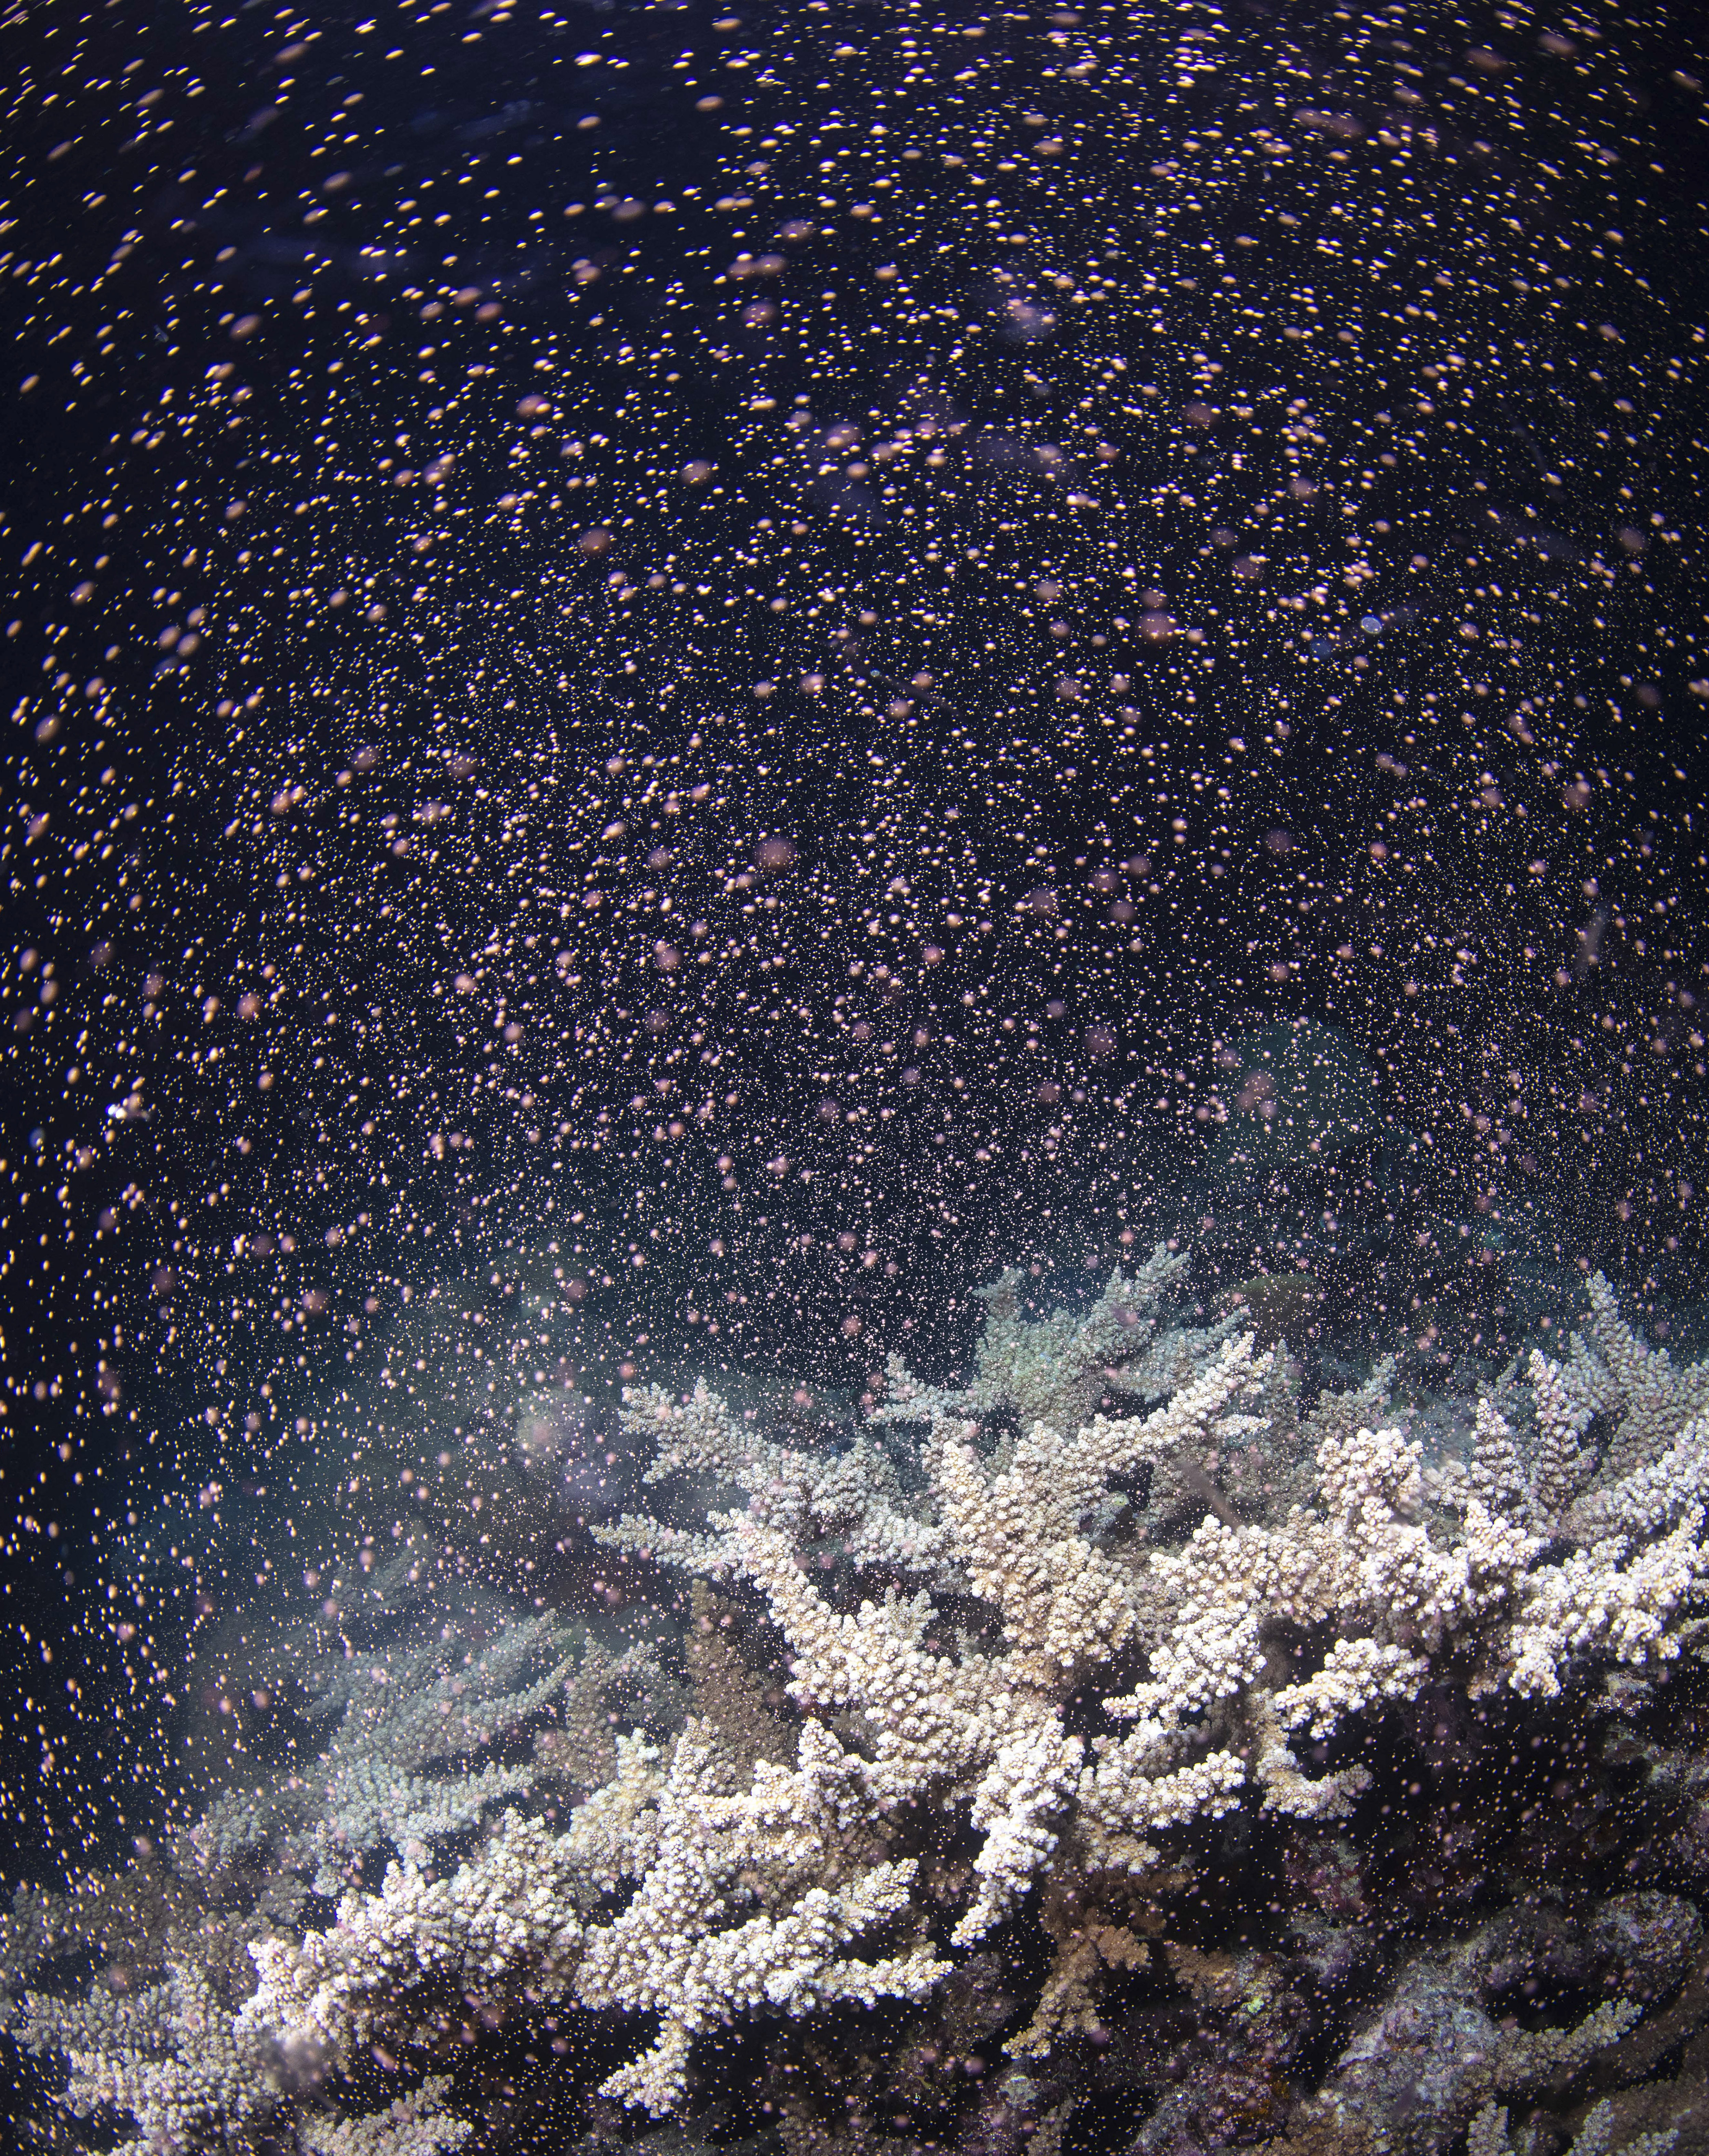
point(412, 2125)
point(1221, 1760)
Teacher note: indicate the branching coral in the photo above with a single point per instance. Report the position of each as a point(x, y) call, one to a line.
point(172, 2058)
point(1388, 1599)
point(783, 1850)
point(506, 1918)
point(412, 2125)
point(1056, 1369)
point(1018, 1667)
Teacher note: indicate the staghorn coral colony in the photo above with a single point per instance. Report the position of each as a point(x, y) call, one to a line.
point(1120, 1749)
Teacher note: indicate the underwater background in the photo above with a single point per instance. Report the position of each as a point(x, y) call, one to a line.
point(747, 754)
